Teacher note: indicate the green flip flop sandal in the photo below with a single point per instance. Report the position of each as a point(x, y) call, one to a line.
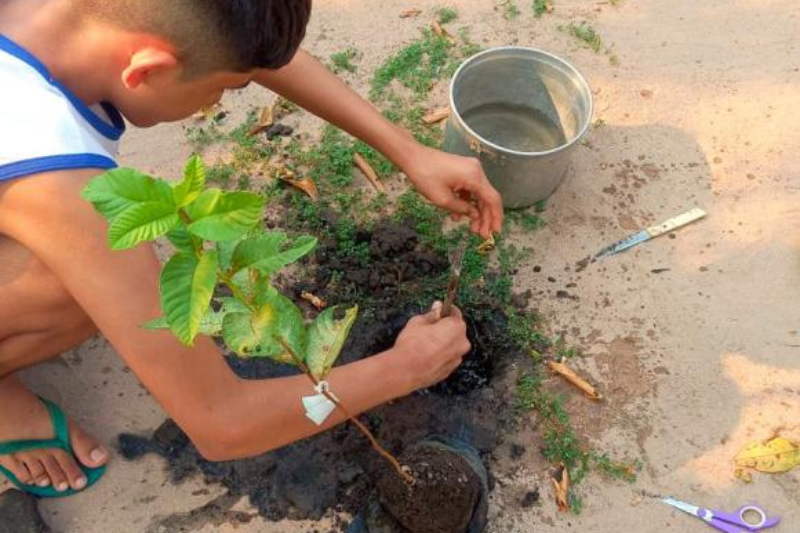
point(61, 441)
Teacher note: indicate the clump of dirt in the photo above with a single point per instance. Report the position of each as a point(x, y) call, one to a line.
point(443, 497)
point(338, 469)
point(396, 262)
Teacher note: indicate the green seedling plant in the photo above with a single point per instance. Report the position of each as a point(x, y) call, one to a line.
point(219, 240)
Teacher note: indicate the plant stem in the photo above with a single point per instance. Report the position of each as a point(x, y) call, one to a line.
point(198, 248)
point(401, 471)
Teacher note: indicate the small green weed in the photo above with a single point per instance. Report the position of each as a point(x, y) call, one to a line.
point(447, 15)
point(510, 10)
point(525, 219)
point(562, 351)
point(201, 137)
point(343, 61)
point(586, 33)
point(220, 174)
point(540, 7)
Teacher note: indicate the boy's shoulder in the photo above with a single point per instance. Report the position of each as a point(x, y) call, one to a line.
point(43, 126)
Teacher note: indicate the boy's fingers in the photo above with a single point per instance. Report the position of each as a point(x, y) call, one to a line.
point(435, 313)
point(461, 207)
point(455, 312)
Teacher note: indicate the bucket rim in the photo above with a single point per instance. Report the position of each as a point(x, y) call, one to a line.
point(504, 149)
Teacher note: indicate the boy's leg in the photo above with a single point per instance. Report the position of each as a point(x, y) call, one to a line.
point(38, 321)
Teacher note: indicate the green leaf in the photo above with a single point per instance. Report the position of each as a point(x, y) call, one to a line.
point(114, 191)
point(194, 179)
point(221, 216)
point(238, 333)
point(187, 285)
point(182, 240)
point(225, 250)
point(210, 324)
point(141, 222)
point(255, 334)
point(264, 253)
point(233, 305)
point(326, 337)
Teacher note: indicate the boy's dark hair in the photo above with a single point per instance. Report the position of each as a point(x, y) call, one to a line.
point(213, 35)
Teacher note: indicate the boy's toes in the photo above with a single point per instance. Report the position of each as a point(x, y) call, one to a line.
point(86, 449)
point(57, 476)
point(75, 476)
point(38, 473)
point(17, 468)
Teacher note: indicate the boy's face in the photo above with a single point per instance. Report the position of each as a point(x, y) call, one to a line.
point(167, 97)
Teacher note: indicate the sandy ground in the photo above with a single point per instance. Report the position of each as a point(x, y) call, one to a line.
point(695, 361)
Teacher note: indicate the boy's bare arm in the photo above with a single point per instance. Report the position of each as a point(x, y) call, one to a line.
point(226, 417)
point(442, 178)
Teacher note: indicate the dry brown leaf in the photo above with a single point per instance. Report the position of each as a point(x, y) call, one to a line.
point(314, 300)
point(306, 185)
point(410, 13)
point(439, 30)
point(487, 246)
point(436, 115)
point(567, 373)
point(560, 481)
point(368, 171)
point(266, 119)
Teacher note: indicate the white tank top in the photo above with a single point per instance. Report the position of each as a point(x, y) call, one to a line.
point(43, 126)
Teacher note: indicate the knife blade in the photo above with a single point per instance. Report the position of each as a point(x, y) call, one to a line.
point(651, 233)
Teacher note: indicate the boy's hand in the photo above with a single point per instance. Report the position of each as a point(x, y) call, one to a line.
point(459, 185)
point(432, 347)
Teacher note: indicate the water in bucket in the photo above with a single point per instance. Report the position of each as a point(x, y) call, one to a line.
point(519, 128)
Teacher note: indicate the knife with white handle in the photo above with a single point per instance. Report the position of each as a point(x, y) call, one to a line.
point(652, 232)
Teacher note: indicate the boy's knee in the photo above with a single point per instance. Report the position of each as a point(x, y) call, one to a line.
point(77, 325)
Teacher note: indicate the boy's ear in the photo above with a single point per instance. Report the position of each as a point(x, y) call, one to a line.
point(145, 62)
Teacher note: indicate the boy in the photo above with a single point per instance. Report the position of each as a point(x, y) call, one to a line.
point(69, 71)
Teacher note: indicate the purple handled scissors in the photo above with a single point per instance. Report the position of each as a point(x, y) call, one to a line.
point(728, 522)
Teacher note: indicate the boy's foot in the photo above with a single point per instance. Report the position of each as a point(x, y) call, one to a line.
point(23, 416)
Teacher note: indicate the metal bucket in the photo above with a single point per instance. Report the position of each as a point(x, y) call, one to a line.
point(520, 111)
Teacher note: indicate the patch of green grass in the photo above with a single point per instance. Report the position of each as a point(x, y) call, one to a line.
point(623, 471)
point(379, 203)
point(329, 163)
point(382, 166)
point(447, 15)
point(560, 442)
point(343, 61)
point(201, 137)
point(586, 33)
point(511, 10)
point(540, 7)
point(415, 66)
point(220, 174)
point(525, 219)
